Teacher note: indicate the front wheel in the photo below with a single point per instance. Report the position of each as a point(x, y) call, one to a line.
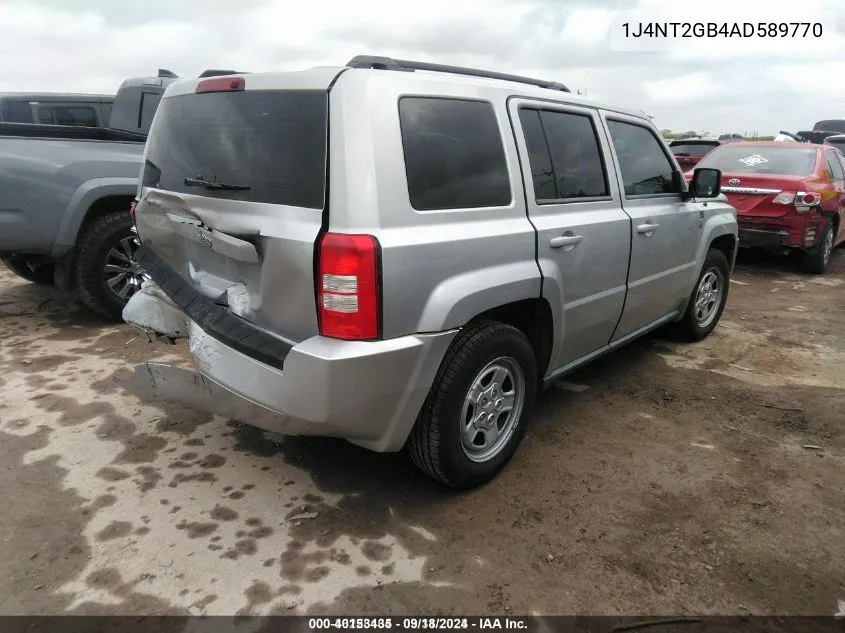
point(707, 301)
point(479, 405)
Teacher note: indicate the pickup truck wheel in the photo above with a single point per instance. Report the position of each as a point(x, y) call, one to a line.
point(708, 299)
point(817, 259)
point(41, 273)
point(107, 274)
point(479, 405)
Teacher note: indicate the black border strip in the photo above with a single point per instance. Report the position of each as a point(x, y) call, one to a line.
point(215, 320)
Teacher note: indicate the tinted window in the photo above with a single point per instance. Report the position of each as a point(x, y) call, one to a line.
point(834, 167)
point(564, 155)
point(538, 155)
point(454, 157)
point(149, 105)
point(14, 111)
point(273, 142)
point(837, 143)
point(82, 116)
point(789, 159)
point(645, 167)
point(692, 149)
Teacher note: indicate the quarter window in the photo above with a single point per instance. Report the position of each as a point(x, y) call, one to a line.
point(454, 156)
point(564, 154)
point(646, 170)
point(835, 168)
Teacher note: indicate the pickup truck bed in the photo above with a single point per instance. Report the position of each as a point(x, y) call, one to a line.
point(35, 130)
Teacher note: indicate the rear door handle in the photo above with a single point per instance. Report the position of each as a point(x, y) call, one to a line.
point(565, 240)
point(647, 228)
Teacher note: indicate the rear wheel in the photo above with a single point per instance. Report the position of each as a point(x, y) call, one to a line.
point(479, 405)
point(107, 274)
point(41, 273)
point(708, 299)
point(817, 259)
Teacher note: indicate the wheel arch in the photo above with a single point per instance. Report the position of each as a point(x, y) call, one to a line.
point(532, 317)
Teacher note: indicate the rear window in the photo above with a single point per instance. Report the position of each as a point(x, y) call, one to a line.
point(692, 149)
point(80, 116)
point(269, 144)
point(838, 143)
point(454, 157)
point(15, 111)
point(790, 160)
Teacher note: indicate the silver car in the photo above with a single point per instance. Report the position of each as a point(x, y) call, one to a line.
point(403, 254)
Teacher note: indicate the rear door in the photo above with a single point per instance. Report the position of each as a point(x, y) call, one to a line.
point(583, 233)
point(232, 193)
point(841, 236)
point(666, 230)
point(837, 175)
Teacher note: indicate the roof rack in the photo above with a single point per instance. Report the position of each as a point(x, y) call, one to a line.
point(388, 63)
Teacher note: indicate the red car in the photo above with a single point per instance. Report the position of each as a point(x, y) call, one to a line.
point(688, 151)
point(788, 196)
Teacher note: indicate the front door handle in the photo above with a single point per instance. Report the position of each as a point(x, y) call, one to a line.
point(647, 229)
point(565, 240)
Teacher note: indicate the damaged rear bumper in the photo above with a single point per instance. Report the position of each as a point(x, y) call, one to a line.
point(367, 392)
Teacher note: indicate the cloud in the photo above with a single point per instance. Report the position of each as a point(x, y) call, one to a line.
point(92, 45)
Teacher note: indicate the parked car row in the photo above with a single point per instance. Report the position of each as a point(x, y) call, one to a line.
point(398, 253)
point(789, 197)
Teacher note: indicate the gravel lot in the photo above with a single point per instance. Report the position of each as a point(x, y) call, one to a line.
point(665, 478)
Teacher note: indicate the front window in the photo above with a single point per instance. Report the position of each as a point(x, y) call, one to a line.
point(645, 167)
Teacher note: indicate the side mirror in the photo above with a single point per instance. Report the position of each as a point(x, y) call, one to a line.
point(706, 183)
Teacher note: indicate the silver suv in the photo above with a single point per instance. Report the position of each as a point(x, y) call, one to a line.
point(401, 253)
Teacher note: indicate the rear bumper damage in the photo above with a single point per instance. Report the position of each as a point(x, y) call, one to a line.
point(779, 235)
point(367, 392)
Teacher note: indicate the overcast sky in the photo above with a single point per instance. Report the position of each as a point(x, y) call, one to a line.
point(92, 45)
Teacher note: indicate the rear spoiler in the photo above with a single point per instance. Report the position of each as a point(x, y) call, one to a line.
point(211, 72)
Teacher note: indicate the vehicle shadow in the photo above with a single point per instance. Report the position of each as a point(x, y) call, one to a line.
point(762, 263)
point(24, 299)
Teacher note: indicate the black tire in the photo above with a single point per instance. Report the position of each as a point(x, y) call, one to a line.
point(435, 443)
point(692, 327)
point(93, 247)
point(817, 259)
point(41, 273)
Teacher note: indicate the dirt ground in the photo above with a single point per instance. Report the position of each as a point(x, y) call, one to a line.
point(663, 479)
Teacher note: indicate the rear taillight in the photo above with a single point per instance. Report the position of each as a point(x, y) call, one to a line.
point(348, 287)
point(807, 199)
point(132, 210)
point(784, 197)
point(802, 200)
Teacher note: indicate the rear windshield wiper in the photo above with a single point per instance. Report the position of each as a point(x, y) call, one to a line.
point(209, 184)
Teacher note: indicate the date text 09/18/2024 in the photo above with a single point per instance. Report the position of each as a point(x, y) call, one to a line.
point(418, 623)
point(722, 29)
